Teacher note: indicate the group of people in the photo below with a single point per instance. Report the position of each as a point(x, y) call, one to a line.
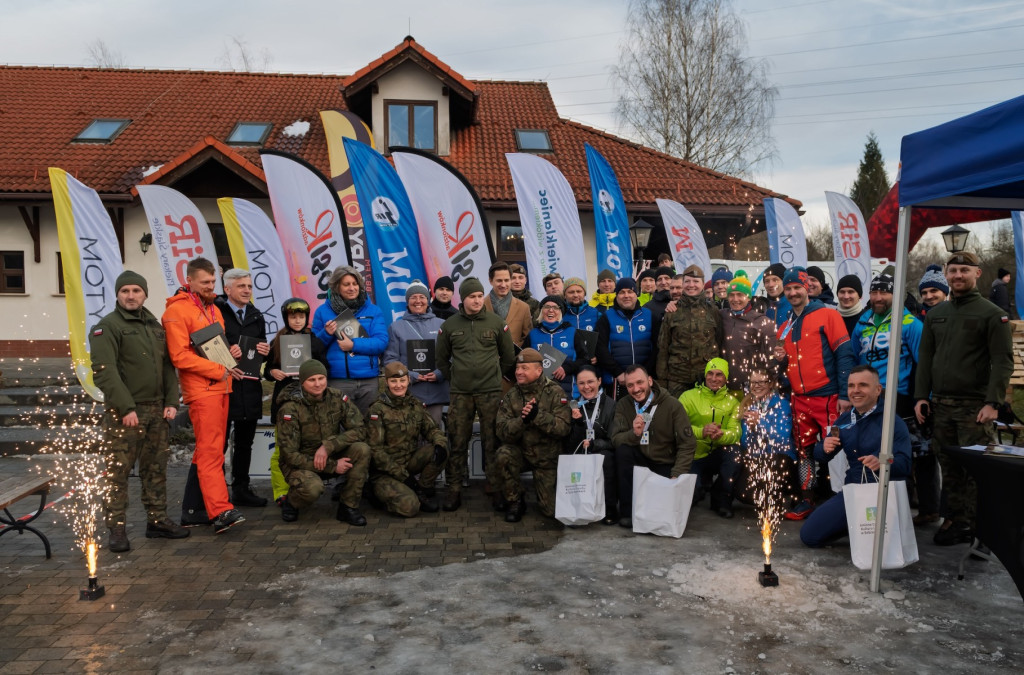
point(676, 374)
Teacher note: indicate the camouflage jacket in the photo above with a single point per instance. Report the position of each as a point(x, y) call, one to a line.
point(394, 428)
point(303, 424)
point(544, 434)
point(689, 338)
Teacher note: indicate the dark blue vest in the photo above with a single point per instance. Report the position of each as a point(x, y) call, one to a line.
point(630, 340)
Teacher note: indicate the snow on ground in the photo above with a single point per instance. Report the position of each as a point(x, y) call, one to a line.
point(607, 601)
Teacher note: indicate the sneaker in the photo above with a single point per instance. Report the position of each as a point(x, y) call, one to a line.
point(289, 513)
point(957, 533)
point(165, 529)
point(242, 495)
point(350, 515)
point(799, 512)
point(118, 542)
point(227, 520)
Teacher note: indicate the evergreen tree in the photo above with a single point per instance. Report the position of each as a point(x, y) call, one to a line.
point(872, 184)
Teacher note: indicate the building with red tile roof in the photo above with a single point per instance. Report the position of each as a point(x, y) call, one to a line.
point(178, 133)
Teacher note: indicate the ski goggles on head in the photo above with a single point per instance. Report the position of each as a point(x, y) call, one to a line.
point(296, 306)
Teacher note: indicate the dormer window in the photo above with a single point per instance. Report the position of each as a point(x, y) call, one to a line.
point(533, 140)
point(102, 131)
point(250, 133)
point(411, 124)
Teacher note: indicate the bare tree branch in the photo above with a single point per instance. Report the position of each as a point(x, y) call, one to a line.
point(238, 56)
point(100, 55)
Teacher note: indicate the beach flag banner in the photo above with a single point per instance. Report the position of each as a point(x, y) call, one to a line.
point(685, 239)
point(180, 233)
point(849, 238)
point(611, 226)
point(786, 241)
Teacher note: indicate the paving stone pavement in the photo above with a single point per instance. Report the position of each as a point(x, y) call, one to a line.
point(203, 582)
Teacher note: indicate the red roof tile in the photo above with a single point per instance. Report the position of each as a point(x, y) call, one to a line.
point(405, 50)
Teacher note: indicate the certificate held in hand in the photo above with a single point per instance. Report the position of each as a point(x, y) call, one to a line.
point(553, 358)
point(420, 354)
point(210, 343)
point(295, 350)
point(348, 325)
point(251, 359)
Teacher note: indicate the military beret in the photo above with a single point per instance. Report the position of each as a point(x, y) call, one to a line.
point(694, 271)
point(529, 355)
point(395, 369)
point(964, 258)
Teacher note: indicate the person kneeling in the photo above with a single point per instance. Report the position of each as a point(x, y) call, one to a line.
point(397, 423)
point(320, 435)
point(533, 421)
point(860, 437)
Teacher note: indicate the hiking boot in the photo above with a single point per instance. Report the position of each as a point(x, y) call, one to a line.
point(339, 483)
point(165, 528)
point(800, 512)
point(350, 515)
point(499, 502)
point(957, 533)
point(289, 513)
point(227, 520)
point(452, 501)
point(118, 541)
point(516, 510)
point(428, 499)
point(242, 495)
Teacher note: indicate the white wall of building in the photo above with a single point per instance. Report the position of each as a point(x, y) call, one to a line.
point(409, 82)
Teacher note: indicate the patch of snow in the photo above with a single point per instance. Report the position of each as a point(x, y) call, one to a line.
point(151, 169)
point(296, 128)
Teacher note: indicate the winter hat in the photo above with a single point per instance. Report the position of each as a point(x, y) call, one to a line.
point(470, 285)
point(796, 275)
point(721, 274)
point(646, 274)
point(417, 287)
point(549, 277)
point(128, 278)
point(606, 274)
point(576, 281)
point(557, 299)
point(694, 271)
point(311, 368)
point(776, 270)
point(664, 271)
point(395, 369)
point(933, 278)
point(816, 272)
point(625, 283)
point(883, 282)
point(444, 282)
point(717, 364)
point(851, 281)
point(740, 284)
point(1002, 272)
point(708, 286)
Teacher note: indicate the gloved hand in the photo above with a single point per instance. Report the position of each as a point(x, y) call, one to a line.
point(440, 455)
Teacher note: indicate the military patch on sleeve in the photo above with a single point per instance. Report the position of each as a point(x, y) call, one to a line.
point(1004, 318)
point(374, 417)
point(505, 329)
point(286, 418)
point(344, 397)
point(99, 331)
point(563, 400)
point(439, 331)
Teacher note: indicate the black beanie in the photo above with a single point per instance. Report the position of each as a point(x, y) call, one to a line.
point(851, 281)
point(776, 270)
point(816, 272)
point(444, 282)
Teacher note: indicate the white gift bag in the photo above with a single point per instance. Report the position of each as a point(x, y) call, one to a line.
point(661, 505)
point(837, 468)
point(579, 492)
point(900, 544)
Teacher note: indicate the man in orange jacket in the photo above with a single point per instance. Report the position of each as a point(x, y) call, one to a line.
point(205, 386)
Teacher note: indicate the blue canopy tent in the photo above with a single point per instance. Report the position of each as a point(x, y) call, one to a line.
point(976, 161)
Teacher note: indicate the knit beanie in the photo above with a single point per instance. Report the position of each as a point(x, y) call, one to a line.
point(311, 368)
point(796, 275)
point(646, 274)
point(883, 282)
point(933, 278)
point(576, 281)
point(851, 281)
point(624, 284)
point(817, 273)
point(664, 271)
point(606, 274)
point(444, 282)
point(470, 285)
point(557, 299)
point(740, 284)
point(721, 274)
point(128, 278)
point(717, 364)
point(776, 270)
point(1002, 272)
point(417, 287)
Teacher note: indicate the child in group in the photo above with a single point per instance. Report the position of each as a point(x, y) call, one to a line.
point(295, 312)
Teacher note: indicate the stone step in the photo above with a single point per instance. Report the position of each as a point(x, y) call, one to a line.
point(44, 395)
point(48, 416)
point(37, 373)
point(32, 441)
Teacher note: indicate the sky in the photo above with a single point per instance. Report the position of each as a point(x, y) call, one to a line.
point(843, 68)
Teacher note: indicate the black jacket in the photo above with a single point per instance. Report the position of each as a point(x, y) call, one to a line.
point(246, 400)
point(602, 426)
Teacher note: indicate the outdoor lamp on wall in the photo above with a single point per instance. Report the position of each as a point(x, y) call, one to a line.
point(145, 242)
point(639, 236)
point(955, 238)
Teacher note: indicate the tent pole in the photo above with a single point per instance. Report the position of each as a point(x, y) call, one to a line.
point(892, 377)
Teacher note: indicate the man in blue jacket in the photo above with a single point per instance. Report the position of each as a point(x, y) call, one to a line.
point(860, 437)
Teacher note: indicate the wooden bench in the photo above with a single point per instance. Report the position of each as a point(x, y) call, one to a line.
point(15, 489)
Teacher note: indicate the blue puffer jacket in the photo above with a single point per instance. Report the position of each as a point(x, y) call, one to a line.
point(773, 433)
point(364, 359)
point(417, 327)
point(871, 344)
point(865, 438)
point(583, 317)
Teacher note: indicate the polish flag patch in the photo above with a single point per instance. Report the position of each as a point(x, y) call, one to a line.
point(286, 418)
point(563, 400)
point(374, 417)
point(1004, 319)
point(99, 331)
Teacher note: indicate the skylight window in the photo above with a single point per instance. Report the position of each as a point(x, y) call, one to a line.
point(533, 140)
point(102, 131)
point(250, 133)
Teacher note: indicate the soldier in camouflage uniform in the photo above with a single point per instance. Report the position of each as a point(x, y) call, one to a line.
point(533, 420)
point(396, 424)
point(131, 367)
point(690, 336)
point(320, 435)
point(473, 351)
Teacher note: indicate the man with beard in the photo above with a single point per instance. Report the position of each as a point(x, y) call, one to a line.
point(441, 305)
point(515, 313)
point(650, 429)
point(205, 386)
point(624, 336)
point(689, 337)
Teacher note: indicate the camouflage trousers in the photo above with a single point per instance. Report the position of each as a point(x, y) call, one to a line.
point(461, 410)
point(305, 487)
point(513, 460)
point(145, 444)
point(955, 424)
point(397, 496)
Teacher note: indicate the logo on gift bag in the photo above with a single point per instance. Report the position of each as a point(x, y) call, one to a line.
point(575, 477)
point(870, 513)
